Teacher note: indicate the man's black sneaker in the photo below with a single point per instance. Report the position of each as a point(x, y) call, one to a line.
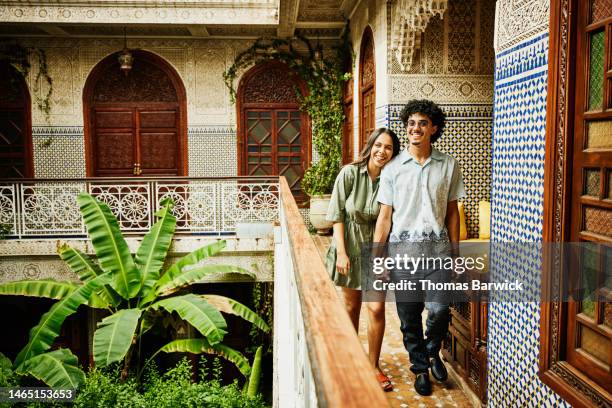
point(422, 385)
point(438, 369)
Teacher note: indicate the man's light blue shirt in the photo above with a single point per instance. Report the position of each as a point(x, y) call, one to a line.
point(419, 195)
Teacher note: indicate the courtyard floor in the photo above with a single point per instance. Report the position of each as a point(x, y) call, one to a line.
point(395, 364)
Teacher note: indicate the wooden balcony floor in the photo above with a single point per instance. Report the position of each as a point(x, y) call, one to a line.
point(395, 364)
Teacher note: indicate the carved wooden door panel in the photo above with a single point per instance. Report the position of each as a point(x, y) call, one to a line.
point(274, 145)
point(133, 141)
point(136, 122)
point(15, 138)
point(367, 87)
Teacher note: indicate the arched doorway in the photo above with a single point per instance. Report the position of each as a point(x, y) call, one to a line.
point(273, 134)
point(135, 124)
point(367, 87)
point(15, 126)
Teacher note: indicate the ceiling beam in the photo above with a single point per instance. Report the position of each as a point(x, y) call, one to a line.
point(288, 18)
point(53, 30)
point(198, 30)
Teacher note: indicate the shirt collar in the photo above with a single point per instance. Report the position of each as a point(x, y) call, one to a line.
point(364, 169)
point(405, 156)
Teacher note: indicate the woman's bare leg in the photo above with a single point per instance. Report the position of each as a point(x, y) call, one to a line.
point(352, 303)
point(376, 330)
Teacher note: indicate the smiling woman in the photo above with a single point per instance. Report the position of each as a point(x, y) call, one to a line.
point(353, 210)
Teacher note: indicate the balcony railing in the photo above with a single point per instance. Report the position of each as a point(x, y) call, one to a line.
point(48, 208)
point(318, 359)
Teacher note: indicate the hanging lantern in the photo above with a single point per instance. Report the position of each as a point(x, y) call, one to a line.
point(126, 59)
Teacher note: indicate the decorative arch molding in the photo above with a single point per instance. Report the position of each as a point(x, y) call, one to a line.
point(273, 134)
point(410, 20)
point(155, 94)
point(367, 86)
point(16, 147)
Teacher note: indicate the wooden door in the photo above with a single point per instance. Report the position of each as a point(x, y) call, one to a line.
point(133, 141)
point(367, 87)
point(136, 123)
point(347, 128)
point(15, 129)
point(273, 134)
point(589, 325)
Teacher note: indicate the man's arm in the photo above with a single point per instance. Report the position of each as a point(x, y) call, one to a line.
point(452, 225)
point(383, 223)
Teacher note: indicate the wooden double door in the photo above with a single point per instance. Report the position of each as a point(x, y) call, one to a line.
point(135, 123)
point(274, 145)
point(136, 140)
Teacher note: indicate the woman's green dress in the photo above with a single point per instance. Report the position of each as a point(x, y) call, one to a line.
point(354, 203)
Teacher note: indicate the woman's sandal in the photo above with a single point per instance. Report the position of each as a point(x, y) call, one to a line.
point(384, 381)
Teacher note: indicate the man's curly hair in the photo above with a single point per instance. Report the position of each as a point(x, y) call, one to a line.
point(427, 108)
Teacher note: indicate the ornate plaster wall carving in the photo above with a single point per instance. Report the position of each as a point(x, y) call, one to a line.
point(200, 64)
point(261, 12)
point(410, 18)
point(442, 88)
point(518, 20)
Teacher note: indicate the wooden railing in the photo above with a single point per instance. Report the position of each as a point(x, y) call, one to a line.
point(318, 359)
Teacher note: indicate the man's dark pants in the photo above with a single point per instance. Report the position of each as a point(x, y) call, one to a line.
point(410, 305)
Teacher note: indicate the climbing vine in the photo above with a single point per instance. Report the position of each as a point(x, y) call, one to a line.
point(324, 77)
point(19, 58)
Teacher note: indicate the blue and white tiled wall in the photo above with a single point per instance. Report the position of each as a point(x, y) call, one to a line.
point(519, 121)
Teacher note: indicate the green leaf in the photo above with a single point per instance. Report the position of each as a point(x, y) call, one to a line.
point(196, 274)
point(57, 369)
point(197, 312)
point(79, 262)
point(197, 346)
point(114, 335)
point(230, 306)
point(190, 259)
point(86, 269)
point(48, 328)
point(111, 249)
point(154, 248)
point(255, 374)
point(46, 288)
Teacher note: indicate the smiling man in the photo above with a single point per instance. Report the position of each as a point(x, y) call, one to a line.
point(418, 196)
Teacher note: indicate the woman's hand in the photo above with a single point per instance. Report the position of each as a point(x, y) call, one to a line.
point(343, 264)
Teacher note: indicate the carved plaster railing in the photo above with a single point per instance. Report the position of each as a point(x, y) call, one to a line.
point(48, 208)
point(411, 19)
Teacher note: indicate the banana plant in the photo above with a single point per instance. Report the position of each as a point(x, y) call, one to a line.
point(134, 290)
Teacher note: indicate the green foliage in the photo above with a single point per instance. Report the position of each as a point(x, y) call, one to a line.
point(323, 102)
point(8, 378)
point(5, 229)
point(175, 389)
point(104, 388)
point(133, 291)
point(19, 58)
point(262, 303)
point(255, 374)
point(58, 368)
